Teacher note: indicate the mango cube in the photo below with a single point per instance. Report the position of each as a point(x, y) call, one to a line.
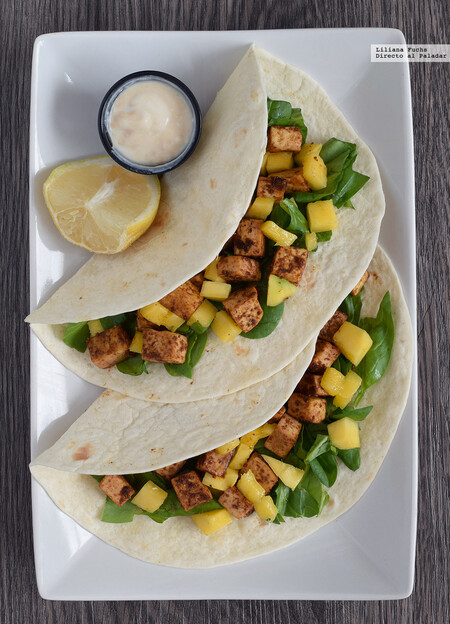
point(279, 161)
point(150, 497)
point(160, 315)
point(321, 216)
point(353, 341)
point(261, 208)
point(332, 381)
point(240, 457)
point(311, 241)
point(263, 170)
point(344, 434)
point(204, 314)
point(95, 327)
point(266, 509)
point(281, 237)
point(211, 272)
point(221, 483)
point(289, 475)
point(224, 327)
point(229, 446)
point(136, 343)
point(211, 521)
point(215, 290)
point(251, 438)
point(350, 385)
point(308, 149)
point(315, 172)
point(250, 488)
point(278, 290)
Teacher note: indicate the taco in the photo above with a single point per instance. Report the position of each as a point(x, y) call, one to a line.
point(258, 492)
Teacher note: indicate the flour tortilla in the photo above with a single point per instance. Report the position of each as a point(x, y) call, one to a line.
point(179, 543)
point(330, 273)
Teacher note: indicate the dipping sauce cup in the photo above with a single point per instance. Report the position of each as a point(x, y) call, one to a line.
point(149, 122)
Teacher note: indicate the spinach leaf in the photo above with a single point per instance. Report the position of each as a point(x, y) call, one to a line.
point(140, 479)
point(196, 346)
point(350, 457)
point(352, 308)
point(321, 445)
point(325, 468)
point(282, 493)
point(297, 222)
point(322, 237)
point(308, 499)
point(381, 330)
point(111, 321)
point(342, 364)
point(76, 335)
point(198, 328)
point(171, 507)
point(351, 412)
point(281, 113)
point(114, 514)
point(134, 366)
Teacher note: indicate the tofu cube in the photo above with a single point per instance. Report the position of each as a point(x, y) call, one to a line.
point(284, 138)
point(330, 328)
point(171, 470)
point(163, 346)
point(212, 521)
point(266, 509)
point(117, 488)
point(183, 301)
point(295, 180)
point(197, 280)
point(307, 409)
point(353, 341)
point(249, 240)
point(321, 216)
point(284, 437)
point(263, 472)
point(277, 417)
point(325, 355)
point(274, 187)
point(143, 323)
point(309, 385)
point(150, 497)
point(109, 347)
point(214, 462)
point(360, 284)
point(344, 434)
point(289, 263)
point(190, 490)
point(239, 269)
point(236, 503)
point(244, 308)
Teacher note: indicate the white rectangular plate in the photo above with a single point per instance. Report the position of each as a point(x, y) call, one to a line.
point(368, 553)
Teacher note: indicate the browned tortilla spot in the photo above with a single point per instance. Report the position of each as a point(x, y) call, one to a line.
point(83, 452)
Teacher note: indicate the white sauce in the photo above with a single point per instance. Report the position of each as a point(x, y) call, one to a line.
point(150, 123)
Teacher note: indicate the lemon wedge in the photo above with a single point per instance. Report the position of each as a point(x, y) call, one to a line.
point(98, 205)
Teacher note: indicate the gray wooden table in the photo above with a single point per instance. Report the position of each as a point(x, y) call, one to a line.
point(422, 22)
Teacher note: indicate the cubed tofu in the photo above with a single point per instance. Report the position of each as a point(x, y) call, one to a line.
point(284, 437)
point(325, 355)
point(262, 471)
point(307, 409)
point(197, 280)
point(143, 323)
point(170, 471)
point(163, 346)
point(330, 328)
point(289, 263)
point(284, 138)
point(244, 308)
point(117, 488)
point(249, 240)
point(236, 503)
point(239, 269)
point(183, 301)
point(109, 347)
point(295, 180)
point(360, 284)
point(309, 385)
point(277, 417)
point(271, 187)
point(214, 462)
point(190, 490)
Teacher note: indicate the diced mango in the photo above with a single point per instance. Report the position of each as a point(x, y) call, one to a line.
point(211, 272)
point(215, 290)
point(221, 483)
point(312, 149)
point(224, 327)
point(251, 438)
point(250, 488)
point(321, 216)
point(136, 343)
point(279, 161)
point(315, 172)
point(266, 509)
point(228, 447)
point(240, 457)
point(211, 521)
point(263, 170)
point(344, 434)
point(277, 465)
point(350, 385)
point(332, 381)
point(353, 341)
point(288, 474)
point(95, 327)
point(204, 314)
point(283, 238)
point(278, 290)
point(261, 208)
point(150, 497)
point(311, 241)
point(160, 315)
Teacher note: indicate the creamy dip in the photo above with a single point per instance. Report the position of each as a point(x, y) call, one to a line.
point(150, 122)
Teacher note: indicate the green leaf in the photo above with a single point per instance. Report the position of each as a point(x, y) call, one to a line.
point(111, 321)
point(281, 113)
point(282, 493)
point(171, 507)
point(196, 346)
point(271, 315)
point(321, 445)
point(325, 468)
point(198, 328)
point(76, 335)
point(350, 457)
point(351, 412)
point(134, 366)
point(351, 306)
point(112, 513)
point(297, 223)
